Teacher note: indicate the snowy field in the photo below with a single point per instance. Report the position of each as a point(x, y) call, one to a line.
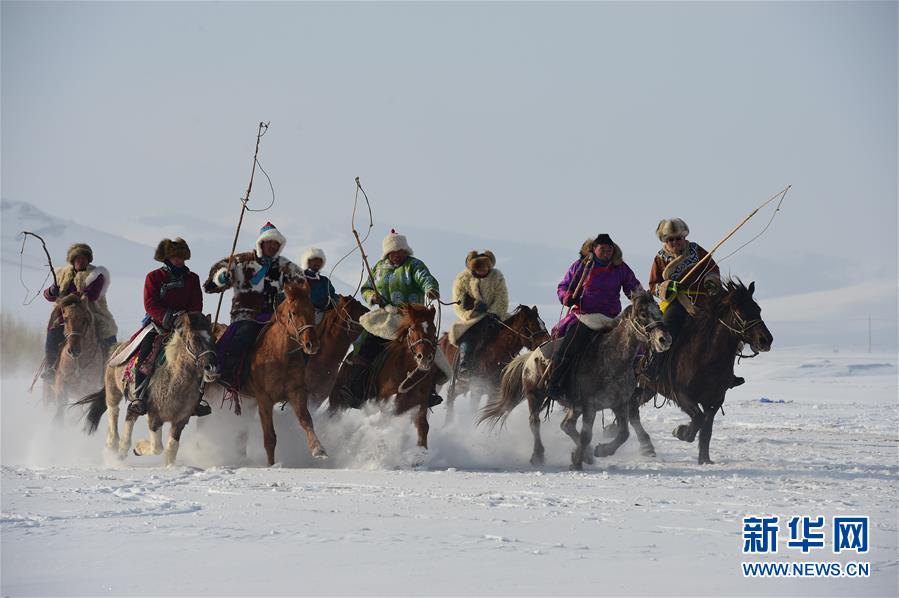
point(476, 518)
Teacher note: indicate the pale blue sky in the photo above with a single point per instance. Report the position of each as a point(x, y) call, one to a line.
point(541, 121)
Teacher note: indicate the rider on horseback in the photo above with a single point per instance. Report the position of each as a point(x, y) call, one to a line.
point(81, 278)
point(168, 291)
point(258, 278)
point(592, 285)
point(399, 278)
point(481, 299)
point(323, 293)
point(674, 260)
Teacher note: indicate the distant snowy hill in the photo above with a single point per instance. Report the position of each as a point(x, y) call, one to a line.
point(802, 301)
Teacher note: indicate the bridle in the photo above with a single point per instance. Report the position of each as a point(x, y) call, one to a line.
point(739, 328)
point(71, 333)
point(412, 344)
point(643, 331)
point(297, 330)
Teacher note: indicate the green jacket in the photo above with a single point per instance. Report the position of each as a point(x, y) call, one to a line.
point(406, 283)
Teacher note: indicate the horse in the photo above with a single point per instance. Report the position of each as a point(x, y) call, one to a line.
point(523, 329)
point(80, 368)
point(174, 389)
point(337, 330)
point(699, 369)
point(404, 369)
point(280, 368)
point(602, 378)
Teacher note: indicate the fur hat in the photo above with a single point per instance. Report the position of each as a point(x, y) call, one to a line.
point(395, 242)
point(77, 249)
point(270, 233)
point(603, 239)
point(589, 244)
point(474, 259)
point(674, 227)
point(312, 252)
point(168, 249)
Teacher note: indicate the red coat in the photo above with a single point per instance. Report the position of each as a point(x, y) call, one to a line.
point(164, 294)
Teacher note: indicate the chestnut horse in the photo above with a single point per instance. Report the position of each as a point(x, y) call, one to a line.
point(522, 330)
point(699, 369)
point(404, 369)
point(336, 332)
point(80, 368)
point(279, 366)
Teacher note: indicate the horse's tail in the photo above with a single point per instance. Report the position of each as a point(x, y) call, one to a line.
point(511, 393)
point(97, 402)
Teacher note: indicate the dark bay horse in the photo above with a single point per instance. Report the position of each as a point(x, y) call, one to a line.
point(602, 378)
point(337, 330)
point(699, 369)
point(279, 366)
point(405, 369)
point(81, 360)
point(174, 391)
point(523, 329)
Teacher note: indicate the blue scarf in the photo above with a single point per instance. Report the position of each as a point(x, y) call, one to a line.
point(266, 266)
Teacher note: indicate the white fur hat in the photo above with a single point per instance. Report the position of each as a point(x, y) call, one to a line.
point(270, 233)
point(395, 242)
point(310, 253)
point(675, 227)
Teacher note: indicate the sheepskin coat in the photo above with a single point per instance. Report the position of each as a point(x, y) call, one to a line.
point(490, 289)
point(255, 293)
point(91, 283)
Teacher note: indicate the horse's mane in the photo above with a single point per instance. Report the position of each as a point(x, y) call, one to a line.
point(297, 290)
point(174, 347)
point(68, 300)
point(411, 314)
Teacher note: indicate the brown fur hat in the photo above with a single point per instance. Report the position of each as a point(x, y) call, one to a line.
point(168, 249)
point(80, 249)
point(675, 227)
point(589, 244)
point(474, 259)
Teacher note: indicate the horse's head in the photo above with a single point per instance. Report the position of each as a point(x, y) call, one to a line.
point(78, 321)
point(418, 332)
point(646, 318)
point(527, 323)
point(745, 316)
point(350, 308)
point(297, 315)
point(193, 335)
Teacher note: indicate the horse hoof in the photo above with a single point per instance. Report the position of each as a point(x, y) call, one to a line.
point(319, 453)
point(588, 458)
point(648, 452)
point(136, 453)
point(537, 460)
point(603, 450)
point(705, 461)
point(576, 467)
point(682, 432)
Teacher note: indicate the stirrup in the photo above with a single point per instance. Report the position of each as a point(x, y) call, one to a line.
point(434, 399)
point(138, 407)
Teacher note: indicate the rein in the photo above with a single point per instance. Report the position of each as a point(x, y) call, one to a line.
point(740, 332)
point(297, 330)
point(402, 388)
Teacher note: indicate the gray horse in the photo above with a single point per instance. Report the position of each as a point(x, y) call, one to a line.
point(602, 378)
point(175, 390)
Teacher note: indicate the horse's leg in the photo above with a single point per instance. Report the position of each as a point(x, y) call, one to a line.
point(538, 455)
point(171, 447)
point(633, 416)
point(153, 446)
point(301, 408)
point(421, 424)
point(687, 432)
point(705, 436)
point(569, 426)
point(266, 419)
point(587, 419)
point(605, 450)
point(113, 400)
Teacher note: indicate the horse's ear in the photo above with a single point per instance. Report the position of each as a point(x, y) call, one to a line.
point(209, 320)
point(534, 308)
point(751, 288)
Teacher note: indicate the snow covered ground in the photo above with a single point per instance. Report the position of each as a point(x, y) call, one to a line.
point(476, 518)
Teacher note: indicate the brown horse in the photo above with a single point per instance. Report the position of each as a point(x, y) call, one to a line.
point(699, 369)
point(524, 329)
point(404, 369)
point(336, 332)
point(80, 368)
point(279, 366)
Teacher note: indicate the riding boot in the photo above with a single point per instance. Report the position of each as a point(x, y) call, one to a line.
point(138, 405)
point(464, 358)
point(203, 409)
point(52, 349)
point(737, 381)
point(353, 391)
point(563, 356)
point(434, 399)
